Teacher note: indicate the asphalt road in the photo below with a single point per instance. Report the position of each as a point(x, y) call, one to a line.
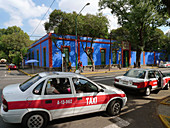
point(140, 111)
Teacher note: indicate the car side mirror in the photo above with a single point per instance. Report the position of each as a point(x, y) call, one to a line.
point(100, 90)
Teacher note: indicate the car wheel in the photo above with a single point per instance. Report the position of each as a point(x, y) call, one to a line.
point(147, 91)
point(35, 120)
point(167, 86)
point(114, 108)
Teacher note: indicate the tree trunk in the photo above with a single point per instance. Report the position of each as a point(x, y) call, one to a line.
point(138, 53)
point(22, 61)
point(110, 55)
point(93, 65)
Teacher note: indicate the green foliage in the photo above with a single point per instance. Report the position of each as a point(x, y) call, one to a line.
point(155, 41)
point(89, 25)
point(139, 17)
point(13, 43)
point(120, 34)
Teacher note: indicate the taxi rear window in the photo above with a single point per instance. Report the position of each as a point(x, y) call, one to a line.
point(24, 86)
point(135, 74)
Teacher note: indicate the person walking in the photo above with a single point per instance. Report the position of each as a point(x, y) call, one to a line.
point(69, 66)
point(81, 67)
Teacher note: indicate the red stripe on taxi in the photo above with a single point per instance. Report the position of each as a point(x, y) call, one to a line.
point(51, 104)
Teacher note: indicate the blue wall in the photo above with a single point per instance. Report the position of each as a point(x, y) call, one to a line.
point(57, 59)
point(57, 56)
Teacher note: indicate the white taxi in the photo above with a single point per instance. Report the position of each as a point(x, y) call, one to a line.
point(164, 64)
point(52, 95)
point(142, 80)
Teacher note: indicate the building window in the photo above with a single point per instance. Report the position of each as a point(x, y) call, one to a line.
point(38, 58)
point(103, 56)
point(66, 52)
point(44, 54)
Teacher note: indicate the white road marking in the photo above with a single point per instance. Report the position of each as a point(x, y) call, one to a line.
point(120, 123)
point(102, 79)
point(14, 78)
point(5, 74)
point(97, 77)
point(112, 126)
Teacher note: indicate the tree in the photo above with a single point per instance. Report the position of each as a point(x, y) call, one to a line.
point(139, 17)
point(166, 8)
point(62, 23)
point(93, 26)
point(14, 42)
point(120, 34)
point(155, 41)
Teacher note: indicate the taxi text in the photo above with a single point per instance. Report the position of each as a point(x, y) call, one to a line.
point(91, 100)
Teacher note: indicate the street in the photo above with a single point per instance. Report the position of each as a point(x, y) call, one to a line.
point(139, 112)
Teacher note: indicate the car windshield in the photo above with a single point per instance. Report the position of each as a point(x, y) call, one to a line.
point(12, 64)
point(24, 86)
point(135, 73)
point(165, 62)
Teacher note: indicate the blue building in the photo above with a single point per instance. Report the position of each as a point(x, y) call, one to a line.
point(49, 55)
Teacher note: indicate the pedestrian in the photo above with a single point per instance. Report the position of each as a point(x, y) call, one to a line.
point(157, 62)
point(80, 66)
point(69, 66)
point(79, 63)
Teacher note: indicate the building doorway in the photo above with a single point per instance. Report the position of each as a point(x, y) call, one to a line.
point(125, 58)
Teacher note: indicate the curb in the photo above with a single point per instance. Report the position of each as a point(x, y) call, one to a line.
point(87, 72)
point(166, 101)
point(81, 73)
point(165, 121)
point(26, 73)
point(105, 71)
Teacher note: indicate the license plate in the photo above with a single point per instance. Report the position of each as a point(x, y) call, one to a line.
point(125, 82)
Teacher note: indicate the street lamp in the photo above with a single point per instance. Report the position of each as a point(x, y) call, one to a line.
point(76, 31)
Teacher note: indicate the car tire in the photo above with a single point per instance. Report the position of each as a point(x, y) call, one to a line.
point(114, 107)
point(167, 86)
point(147, 91)
point(35, 120)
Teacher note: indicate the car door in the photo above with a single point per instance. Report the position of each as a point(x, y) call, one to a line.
point(153, 80)
point(88, 98)
point(161, 82)
point(59, 105)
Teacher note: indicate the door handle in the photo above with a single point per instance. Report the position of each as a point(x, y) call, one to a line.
point(48, 101)
point(79, 98)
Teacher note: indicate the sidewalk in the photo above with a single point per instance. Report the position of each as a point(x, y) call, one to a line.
point(29, 72)
point(163, 107)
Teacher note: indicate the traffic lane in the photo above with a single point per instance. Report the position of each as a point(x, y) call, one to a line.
point(7, 78)
point(139, 107)
point(139, 112)
point(103, 120)
point(77, 121)
point(108, 80)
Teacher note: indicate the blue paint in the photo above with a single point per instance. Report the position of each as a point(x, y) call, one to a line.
point(57, 56)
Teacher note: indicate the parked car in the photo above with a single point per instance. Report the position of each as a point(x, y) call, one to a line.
point(12, 66)
point(142, 80)
point(36, 101)
point(164, 64)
